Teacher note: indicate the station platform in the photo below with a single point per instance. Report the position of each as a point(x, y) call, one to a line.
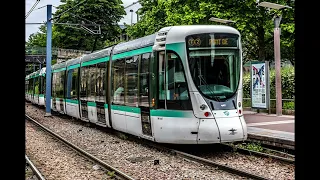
point(270, 129)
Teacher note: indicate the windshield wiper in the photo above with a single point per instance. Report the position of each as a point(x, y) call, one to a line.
point(207, 86)
point(217, 98)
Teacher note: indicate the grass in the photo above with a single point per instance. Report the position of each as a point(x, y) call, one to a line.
point(111, 174)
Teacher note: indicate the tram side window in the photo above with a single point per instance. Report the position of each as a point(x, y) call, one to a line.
point(92, 73)
point(162, 94)
point(57, 87)
point(61, 84)
point(84, 83)
point(32, 86)
point(118, 68)
point(144, 80)
point(176, 88)
point(53, 83)
point(131, 86)
point(36, 85)
point(30, 90)
point(44, 85)
point(26, 86)
point(101, 82)
point(72, 84)
point(42, 88)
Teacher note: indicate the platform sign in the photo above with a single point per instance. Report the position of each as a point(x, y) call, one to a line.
point(260, 89)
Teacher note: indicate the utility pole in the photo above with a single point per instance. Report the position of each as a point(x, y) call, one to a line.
point(48, 61)
point(276, 33)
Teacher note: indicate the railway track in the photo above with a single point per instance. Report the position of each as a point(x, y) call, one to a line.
point(199, 159)
point(119, 174)
point(262, 154)
point(205, 161)
point(34, 169)
point(162, 148)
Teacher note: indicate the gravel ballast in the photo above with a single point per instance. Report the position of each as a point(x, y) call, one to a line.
point(138, 161)
point(55, 160)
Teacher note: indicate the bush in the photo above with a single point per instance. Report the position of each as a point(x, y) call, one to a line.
point(287, 85)
point(288, 105)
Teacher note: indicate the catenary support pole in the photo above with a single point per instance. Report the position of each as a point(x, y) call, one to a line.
point(48, 61)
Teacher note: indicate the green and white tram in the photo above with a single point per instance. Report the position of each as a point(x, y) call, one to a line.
point(181, 85)
point(35, 87)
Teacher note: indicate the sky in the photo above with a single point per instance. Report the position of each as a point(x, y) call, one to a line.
point(40, 15)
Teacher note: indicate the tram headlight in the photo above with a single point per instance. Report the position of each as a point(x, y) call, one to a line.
point(239, 104)
point(203, 107)
point(153, 102)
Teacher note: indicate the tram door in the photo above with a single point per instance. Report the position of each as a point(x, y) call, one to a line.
point(146, 87)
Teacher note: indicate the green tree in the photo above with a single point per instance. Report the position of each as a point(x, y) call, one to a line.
point(152, 18)
point(254, 23)
point(106, 13)
point(39, 39)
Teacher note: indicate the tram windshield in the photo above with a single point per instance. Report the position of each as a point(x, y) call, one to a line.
point(214, 62)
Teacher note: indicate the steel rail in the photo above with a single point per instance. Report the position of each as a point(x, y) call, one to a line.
point(219, 165)
point(34, 169)
point(247, 151)
point(82, 152)
point(208, 162)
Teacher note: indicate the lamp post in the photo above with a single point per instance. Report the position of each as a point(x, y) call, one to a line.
point(276, 32)
point(137, 12)
point(226, 21)
point(131, 15)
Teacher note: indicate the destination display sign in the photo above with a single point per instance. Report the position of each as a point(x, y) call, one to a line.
point(212, 40)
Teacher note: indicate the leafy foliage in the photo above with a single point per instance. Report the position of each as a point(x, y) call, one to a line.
point(287, 82)
point(254, 23)
point(106, 13)
point(287, 87)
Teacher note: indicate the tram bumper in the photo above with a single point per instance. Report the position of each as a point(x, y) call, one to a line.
point(222, 129)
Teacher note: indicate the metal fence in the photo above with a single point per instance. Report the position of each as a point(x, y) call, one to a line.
point(286, 103)
point(271, 99)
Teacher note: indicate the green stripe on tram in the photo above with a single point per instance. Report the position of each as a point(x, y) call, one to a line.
point(59, 70)
point(171, 113)
point(126, 109)
point(132, 53)
point(96, 61)
point(73, 66)
point(73, 101)
point(93, 104)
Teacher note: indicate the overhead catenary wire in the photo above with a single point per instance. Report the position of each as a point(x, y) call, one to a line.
point(40, 7)
point(32, 8)
point(83, 18)
point(58, 16)
point(82, 25)
point(131, 4)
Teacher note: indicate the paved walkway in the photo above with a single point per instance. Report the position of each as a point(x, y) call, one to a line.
point(277, 130)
